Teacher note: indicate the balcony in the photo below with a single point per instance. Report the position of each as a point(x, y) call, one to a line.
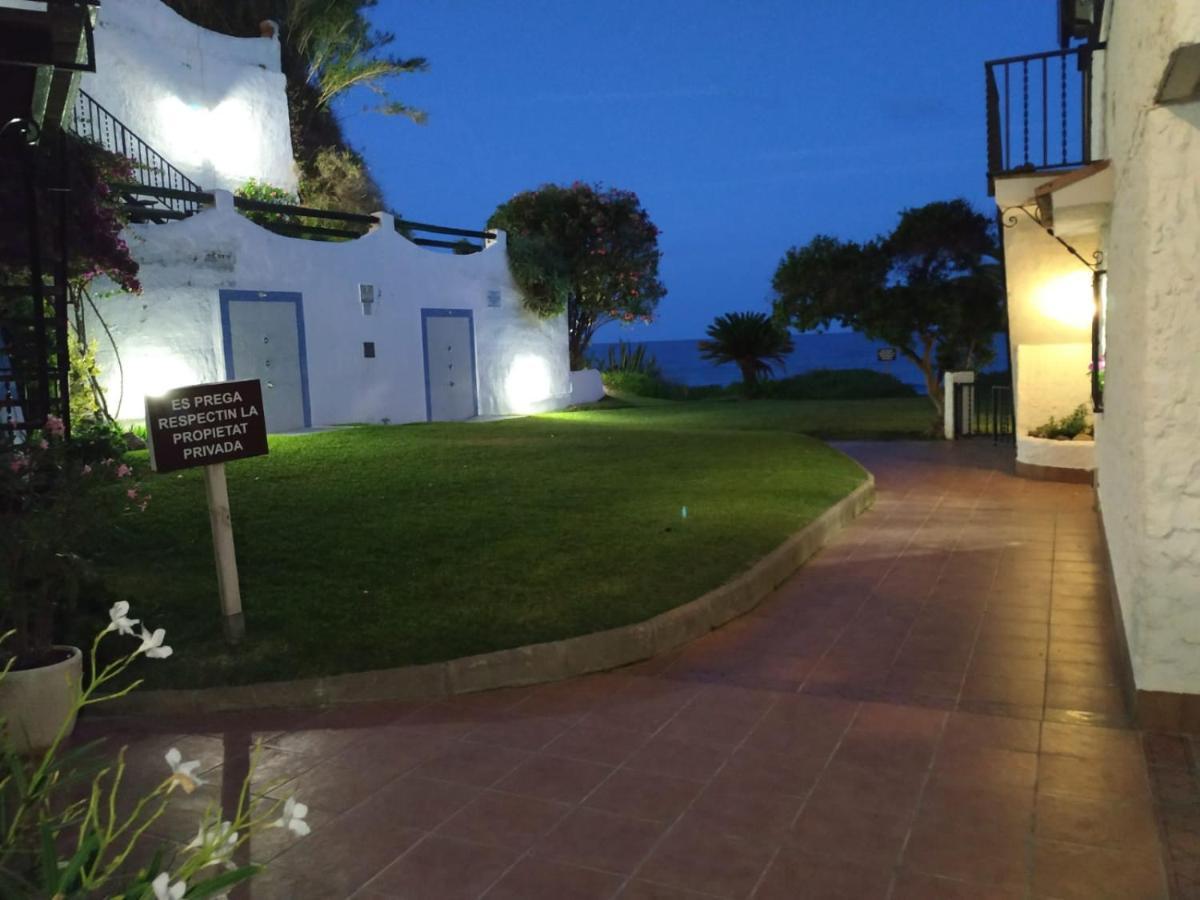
point(1039, 111)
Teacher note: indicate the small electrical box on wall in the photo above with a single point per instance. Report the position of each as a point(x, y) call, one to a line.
point(366, 296)
point(493, 298)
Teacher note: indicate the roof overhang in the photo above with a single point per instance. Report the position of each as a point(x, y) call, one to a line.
point(1077, 202)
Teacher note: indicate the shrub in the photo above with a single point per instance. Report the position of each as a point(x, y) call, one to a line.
point(837, 384)
point(642, 384)
point(337, 179)
point(1066, 429)
point(267, 193)
point(628, 358)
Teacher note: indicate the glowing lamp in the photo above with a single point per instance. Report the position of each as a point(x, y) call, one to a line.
point(1068, 299)
point(527, 383)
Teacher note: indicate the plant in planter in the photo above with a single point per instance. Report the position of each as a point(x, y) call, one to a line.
point(1067, 429)
point(70, 828)
point(56, 498)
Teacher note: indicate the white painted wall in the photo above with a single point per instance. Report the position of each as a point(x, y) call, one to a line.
point(1056, 454)
point(1149, 448)
point(1052, 380)
point(1049, 306)
point(171, 334)
point(587, 386)
point(949, 380)
point(214, 106)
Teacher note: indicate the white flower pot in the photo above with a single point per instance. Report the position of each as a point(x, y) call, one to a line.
point(34, 703)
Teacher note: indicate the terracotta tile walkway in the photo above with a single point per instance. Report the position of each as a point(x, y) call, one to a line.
point(928, 710)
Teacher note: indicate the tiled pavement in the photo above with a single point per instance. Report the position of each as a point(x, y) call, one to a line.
point(928, 710)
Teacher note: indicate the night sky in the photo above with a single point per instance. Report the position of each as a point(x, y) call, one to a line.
point(744, 127)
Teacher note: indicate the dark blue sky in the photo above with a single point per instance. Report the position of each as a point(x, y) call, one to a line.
point(745, 127)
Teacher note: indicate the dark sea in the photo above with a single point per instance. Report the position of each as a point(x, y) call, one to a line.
point(680, 361)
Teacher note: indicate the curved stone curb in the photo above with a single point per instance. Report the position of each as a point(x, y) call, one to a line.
point(534, 663)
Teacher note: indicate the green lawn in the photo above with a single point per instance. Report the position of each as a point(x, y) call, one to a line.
point(372, 546)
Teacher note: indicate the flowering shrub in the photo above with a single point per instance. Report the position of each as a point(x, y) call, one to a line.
point(60, 841)
point(56, 497)
point(590, 252)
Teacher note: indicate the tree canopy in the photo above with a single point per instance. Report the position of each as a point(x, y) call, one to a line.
point(931, 288)
point(585, 250)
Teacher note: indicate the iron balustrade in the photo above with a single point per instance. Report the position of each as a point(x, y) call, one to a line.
point(287, 219)
point(1039, 111)
point(150, 168)
point(984, 407)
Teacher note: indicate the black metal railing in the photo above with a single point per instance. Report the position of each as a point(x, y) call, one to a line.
point(150, 168)
point(1039, 110)
point(289, 220)
point(984, 408)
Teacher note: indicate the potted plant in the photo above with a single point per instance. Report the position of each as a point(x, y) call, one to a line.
point(56, 497)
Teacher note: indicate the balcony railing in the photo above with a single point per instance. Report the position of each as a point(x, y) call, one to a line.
point(1039, 111)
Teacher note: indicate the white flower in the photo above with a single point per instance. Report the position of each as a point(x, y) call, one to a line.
point(120, 623)
point(293, 817)
point(220, 840)
point(183, 773)
point(152, 644)
point(164, 890)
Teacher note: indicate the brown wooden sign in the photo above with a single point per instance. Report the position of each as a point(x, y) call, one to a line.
point(205, 424)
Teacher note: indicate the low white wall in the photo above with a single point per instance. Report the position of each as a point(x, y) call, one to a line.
point(1056, 454)
point(214, 106)
point(171, 334)
point(587, 386)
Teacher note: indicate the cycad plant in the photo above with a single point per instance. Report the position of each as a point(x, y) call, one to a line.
point(750, 340)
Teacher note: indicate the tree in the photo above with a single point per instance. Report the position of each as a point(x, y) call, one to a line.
point(931, 288)
point(749, 340)
point(584, 250)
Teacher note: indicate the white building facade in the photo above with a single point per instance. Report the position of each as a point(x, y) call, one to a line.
point(370, 329)
point(1102, 260)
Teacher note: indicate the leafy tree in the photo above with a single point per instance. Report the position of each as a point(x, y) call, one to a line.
point(931, 288)
point(750, 340)
point(584, 250)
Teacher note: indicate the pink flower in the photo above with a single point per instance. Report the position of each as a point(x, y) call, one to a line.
point(54, 425)
point(123, 471)
point(131, 493)
point(44, 444)
point(86, 470)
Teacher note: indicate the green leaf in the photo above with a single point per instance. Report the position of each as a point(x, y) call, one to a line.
point(85, 852)
point(221, 883)
point(49, 858)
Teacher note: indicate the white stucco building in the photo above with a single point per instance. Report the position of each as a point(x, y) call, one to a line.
point(1102, 257)
point(372, 329)
point(214, 106)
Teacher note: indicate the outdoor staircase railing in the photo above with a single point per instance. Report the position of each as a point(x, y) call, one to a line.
point(151, 169)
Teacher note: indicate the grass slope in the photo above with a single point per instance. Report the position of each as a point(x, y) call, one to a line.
point(370, 547)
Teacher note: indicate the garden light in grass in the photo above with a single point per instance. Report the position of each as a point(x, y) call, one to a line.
point(683, 513)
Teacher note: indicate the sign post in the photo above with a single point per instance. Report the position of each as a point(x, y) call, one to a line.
point(207, 425)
